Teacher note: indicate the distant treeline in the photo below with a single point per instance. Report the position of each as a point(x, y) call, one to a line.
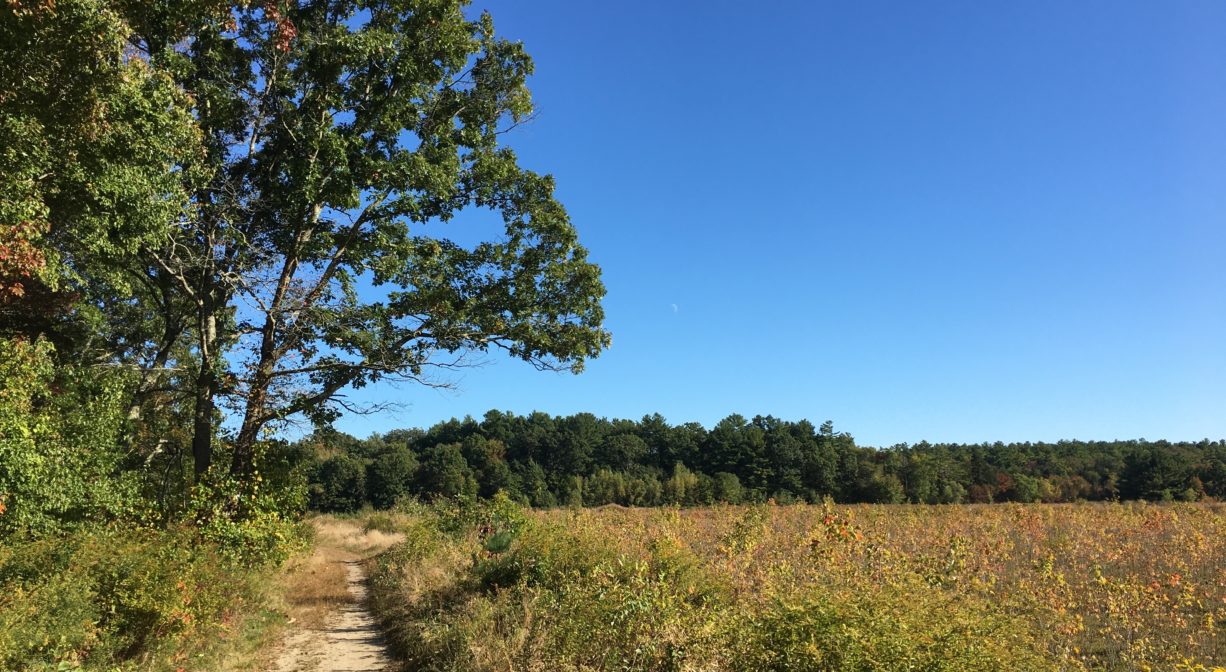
point(583, 460)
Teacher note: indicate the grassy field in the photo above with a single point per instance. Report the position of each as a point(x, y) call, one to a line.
point(871, 587)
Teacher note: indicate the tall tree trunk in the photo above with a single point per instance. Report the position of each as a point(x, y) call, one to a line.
point(154, 373)
point(206, 391)
point(202, 422)
point(254, 417)
point(243, 461)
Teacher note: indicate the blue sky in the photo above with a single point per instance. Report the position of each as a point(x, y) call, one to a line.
point(951, 221)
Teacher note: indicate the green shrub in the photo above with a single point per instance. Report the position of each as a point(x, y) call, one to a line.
point(59, 430)
point(465, 515)
point(248, 524)
point(108, 599)
point(566, 594)
point(556, 597)
point(661, 612)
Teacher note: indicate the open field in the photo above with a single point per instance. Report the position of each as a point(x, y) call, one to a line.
point(865, 587)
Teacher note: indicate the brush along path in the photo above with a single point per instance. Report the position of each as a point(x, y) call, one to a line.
point(331, 629)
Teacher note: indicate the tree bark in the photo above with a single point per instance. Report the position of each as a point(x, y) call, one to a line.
point(243, 461)
point(202, 423)
point(254, 417)
point(206, 392)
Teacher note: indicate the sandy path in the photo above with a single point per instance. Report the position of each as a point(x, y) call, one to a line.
point(349, 640)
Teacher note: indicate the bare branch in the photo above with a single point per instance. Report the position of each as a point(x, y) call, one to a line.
point(178, 277)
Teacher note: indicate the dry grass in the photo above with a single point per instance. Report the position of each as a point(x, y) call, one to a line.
point(315, 585)
point(1129, 586)
point(352, 535)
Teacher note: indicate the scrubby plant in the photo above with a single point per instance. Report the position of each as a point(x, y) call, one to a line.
point(380, 522)
point(247, 523)
point(903, 626)
point(827, 588)
point(59, 452)
point(113, 599)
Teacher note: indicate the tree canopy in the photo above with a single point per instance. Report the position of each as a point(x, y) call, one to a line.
point(583, 459)
point(250, 204)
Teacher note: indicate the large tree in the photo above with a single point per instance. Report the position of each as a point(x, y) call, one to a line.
point(91, 138)
point(338, 135)
point(91, 141)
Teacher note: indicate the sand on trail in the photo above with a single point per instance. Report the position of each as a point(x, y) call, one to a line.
point(349, 638)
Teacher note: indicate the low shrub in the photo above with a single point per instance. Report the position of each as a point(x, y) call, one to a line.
point(544, 554)
point(249, 525)
point(890, 628)
point(112, 599)
point(465, 515)
point(577, 591)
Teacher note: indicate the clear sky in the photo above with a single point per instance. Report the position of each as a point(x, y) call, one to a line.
point(952, 221)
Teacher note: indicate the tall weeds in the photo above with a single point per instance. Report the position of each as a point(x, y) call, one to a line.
point(821, 588)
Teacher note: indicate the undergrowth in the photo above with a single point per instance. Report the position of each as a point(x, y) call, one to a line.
point(563, 592)
point(125, 599)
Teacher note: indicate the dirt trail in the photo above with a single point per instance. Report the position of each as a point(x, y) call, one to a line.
point(337, 633)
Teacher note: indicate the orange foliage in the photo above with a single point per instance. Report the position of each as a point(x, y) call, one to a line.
point(20, 258)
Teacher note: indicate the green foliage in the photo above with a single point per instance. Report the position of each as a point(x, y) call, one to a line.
point(499, 542)
point(728, 488)
point(567, 593)
point(747, 532)
point(682, 487)
point(108, 599)
point(422, 539)
point(390, 477)
point(462, 516)
point(622, 451)
point(340, 484)
point(606, 487)
point(185, 182)
point(444, 472)
point(641, 615)
point(247, 523)
point(533, 485)
point(59, 431)
point(544, 556)
point(95, 132)
point(888, 629)
point(884, 489)
point(341, 137)
point(92, 139)
point(546, 461)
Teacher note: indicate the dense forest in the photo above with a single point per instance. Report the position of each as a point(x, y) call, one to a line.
point(585, 460)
